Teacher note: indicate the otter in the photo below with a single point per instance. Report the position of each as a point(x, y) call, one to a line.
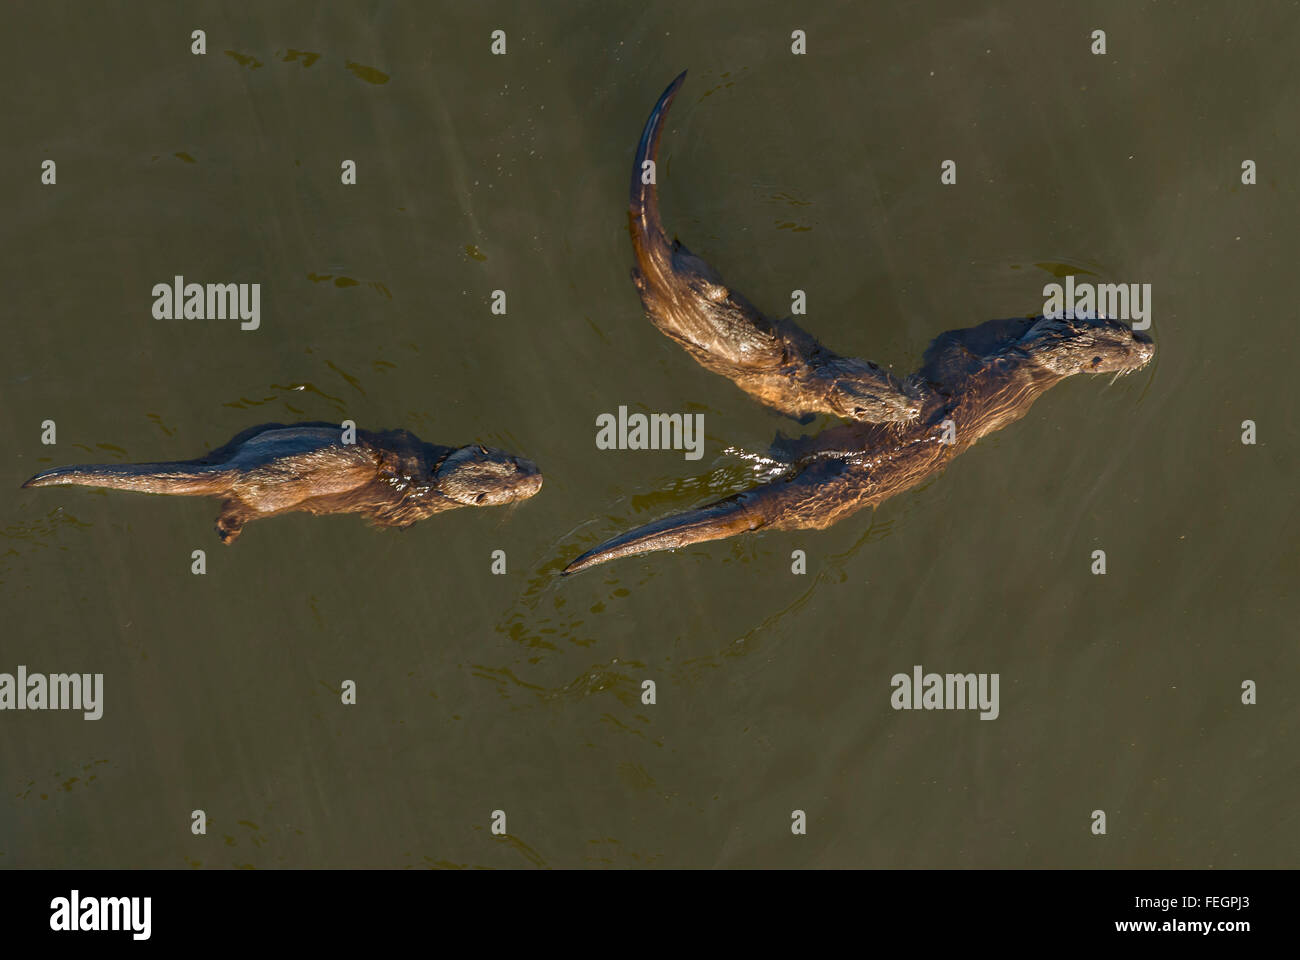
point(902, 432)
point(392, 478)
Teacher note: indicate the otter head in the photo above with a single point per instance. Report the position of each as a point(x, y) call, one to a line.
point(1067, 346)
point(479, 476)
point(872, 404)
point(857, 390)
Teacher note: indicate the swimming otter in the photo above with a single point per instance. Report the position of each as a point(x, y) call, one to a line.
point(981, 379)
point(392, 478)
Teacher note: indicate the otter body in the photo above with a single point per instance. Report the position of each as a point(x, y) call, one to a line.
point(392, 478)
point(980, 379)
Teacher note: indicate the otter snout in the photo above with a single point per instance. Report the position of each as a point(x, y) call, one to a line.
point(1146, 348)
point(530, 477)
point(1141, 349)
point(479, 476)
point(1071, 345)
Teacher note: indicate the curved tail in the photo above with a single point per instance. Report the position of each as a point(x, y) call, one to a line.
point(653, 249)
point(777, 363)
point(183, 479)
point(725, 518)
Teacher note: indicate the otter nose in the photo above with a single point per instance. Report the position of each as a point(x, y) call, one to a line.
point(1146, 347)
point(532, 475)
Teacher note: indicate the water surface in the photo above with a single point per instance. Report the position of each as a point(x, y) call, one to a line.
point(522, 692)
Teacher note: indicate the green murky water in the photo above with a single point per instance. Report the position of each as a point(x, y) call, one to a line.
point(522, 693)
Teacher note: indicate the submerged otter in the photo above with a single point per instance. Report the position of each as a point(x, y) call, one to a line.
point(980, 379)
point(392, 478)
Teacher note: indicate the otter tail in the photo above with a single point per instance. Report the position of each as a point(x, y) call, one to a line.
point(813, 497)
point(653, 248)
point(684, 297)
point(719, 520)
point(183, 479)
point(779, 363)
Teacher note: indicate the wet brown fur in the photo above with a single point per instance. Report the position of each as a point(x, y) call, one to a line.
point(775, 361)
point(392, 478)
point(981, 378)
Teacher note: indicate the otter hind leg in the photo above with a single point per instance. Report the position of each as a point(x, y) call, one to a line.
point(231, 520)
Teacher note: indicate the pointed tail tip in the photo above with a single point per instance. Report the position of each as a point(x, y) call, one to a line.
point(667, 96)
point(665, 101)
point(48, 478)
point(632, 543)
point(578, 565)
point(621, 546)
